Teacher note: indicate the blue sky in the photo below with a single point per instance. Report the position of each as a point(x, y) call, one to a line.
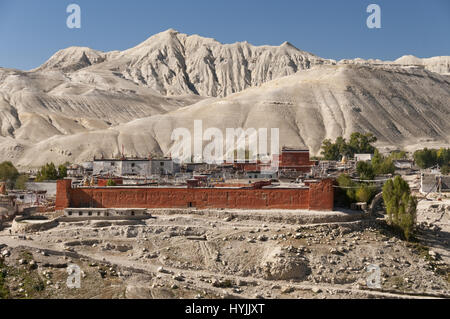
point(31, 31)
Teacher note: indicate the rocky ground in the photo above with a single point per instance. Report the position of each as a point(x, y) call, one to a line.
point(198, 255)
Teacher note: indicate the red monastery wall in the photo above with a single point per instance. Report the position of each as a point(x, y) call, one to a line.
point(318, 196)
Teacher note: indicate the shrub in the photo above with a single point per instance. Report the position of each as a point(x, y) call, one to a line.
point(445, 169)
point(365, 193)
point(348, 193)
point(110, 182)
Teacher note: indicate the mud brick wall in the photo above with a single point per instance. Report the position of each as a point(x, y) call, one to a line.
point(321, 195)
point(296, 160)
point(63, 192)
point(141, 197)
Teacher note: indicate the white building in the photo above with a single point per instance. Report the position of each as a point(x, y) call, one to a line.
point(363, 157)
point(164, 166)
point(134, 167)
point(107, 213)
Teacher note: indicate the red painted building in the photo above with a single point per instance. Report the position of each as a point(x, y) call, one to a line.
point(295, 159)
point(316, 196)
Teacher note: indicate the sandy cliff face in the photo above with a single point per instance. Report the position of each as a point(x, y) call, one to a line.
point(83, 102)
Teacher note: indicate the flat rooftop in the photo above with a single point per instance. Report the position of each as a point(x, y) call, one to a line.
point(281, 186)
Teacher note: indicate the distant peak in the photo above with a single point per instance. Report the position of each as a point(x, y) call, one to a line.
point(287, 44)
point(170, 31)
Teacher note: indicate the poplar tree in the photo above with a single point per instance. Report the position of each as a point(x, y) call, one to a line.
point(400, 205)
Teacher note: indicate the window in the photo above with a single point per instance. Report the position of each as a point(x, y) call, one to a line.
point(132, 213)
point(70, 213)
point(90, 213)
point(161, 163)
point(133, 164)
point(98, 213)
point(80, 213)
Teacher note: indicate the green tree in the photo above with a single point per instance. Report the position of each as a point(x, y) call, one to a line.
point(48, 172)
point(425, 158)
point(330, 151)
point(365, 170)
point(400, 205)
point(381, 164)
point(362, 143)
point(443, 156)
point(358, 143)
point(21, 182)
point(8, 173)
point(386, 167)
point(62, 171)
point(430, 157)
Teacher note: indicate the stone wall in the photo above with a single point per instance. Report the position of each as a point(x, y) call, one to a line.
point(29, 225)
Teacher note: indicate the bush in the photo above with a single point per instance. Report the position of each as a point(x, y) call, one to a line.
point(365, 193)
point(400, 205)
point(4, 291)
point(349, 195)
point(110, 182)
point(445, 169)
point(398, 155)
point(357, 193)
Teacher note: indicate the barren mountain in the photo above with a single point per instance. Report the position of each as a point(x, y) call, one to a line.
point(323, 102)
point(83, 102)
point(174, 63)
